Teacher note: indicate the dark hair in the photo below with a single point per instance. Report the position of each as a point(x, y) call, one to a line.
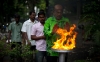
point(41, 10)
point(32, 11)
point(17, 16)
point(41, 13)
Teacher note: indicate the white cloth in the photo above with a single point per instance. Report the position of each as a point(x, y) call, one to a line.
point(37, 29)
point(27, 26)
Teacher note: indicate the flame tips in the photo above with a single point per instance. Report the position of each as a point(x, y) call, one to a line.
point(67, 40)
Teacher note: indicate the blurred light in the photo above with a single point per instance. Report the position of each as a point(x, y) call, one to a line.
point(7, 24)
point(25, 1)
point(35, 8)
point(27, 13)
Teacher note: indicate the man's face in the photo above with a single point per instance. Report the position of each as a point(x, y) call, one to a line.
point(41, 18)
point(17, 19)
point(58, 11)
point(58, 14)
point(32, 16)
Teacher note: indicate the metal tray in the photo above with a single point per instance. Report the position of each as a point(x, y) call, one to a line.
point(62, 51)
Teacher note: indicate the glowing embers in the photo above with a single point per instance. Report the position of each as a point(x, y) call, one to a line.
point(66, 40)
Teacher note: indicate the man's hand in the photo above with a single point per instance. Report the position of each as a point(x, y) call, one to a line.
point(28, 42)
point(67, 26)
point(55, 28)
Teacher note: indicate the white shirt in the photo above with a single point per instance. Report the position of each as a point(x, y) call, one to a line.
point(37, 29)
point(27, 26)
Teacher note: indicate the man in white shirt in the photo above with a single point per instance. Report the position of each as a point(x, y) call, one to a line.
point(26, 30)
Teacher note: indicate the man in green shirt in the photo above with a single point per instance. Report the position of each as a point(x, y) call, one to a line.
point(50, 27)
point(14, 31)
point(15, 35)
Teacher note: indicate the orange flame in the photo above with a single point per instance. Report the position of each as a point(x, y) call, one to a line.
point(67, 40)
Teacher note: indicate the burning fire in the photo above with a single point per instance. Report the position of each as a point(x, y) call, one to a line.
point(67, 40)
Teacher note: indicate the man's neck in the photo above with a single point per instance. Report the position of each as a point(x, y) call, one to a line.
point(42, 23)
point(17, 22)
point(32, 20)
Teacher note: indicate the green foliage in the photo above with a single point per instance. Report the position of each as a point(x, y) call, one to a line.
point(51, 2)
point(4, 48)
point(16, 51)
point(91, 20)
point(26, 53)
point(91, 17)
point(96, 37)
point(81, 61)
point(10, 7)
point(21, 51)
point(41, 4)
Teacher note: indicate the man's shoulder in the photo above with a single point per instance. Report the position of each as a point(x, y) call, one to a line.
point(36, 24)
point(26, 22)
point(12, 23)
point(49, 18)
point(20, 23)
point(36, 21)
point(65, 19)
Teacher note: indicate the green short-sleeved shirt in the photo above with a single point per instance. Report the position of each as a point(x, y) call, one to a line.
point(15, 31)
point(50, 38)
